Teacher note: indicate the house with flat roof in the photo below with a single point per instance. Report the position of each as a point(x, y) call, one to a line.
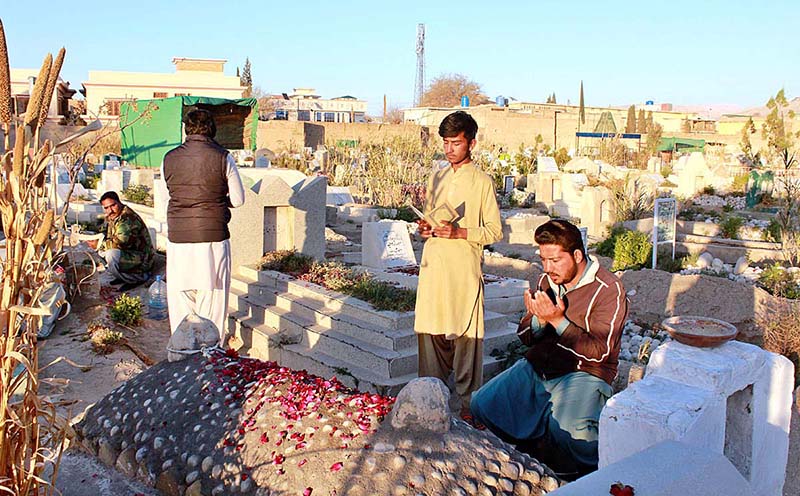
point(106, 90)
point(303, 104)
point(22, 81)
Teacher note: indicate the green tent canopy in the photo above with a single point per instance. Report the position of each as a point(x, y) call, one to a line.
point(681, 145)
point(147, 138)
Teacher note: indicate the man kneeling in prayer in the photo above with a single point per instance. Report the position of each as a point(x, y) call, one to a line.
point(549, 403)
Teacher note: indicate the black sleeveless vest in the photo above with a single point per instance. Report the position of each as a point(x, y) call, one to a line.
point(195, 173)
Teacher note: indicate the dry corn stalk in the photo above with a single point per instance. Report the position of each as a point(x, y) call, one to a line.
point(37, 95)
point(31, 432)
point(52, 79)
point(5, 83)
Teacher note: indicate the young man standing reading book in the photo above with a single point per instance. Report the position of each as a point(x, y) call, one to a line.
point(460, 217)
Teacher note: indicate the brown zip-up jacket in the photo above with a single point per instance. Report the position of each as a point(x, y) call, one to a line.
point(596, 310)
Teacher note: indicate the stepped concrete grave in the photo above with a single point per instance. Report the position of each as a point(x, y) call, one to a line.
point(229, 425)
point(305, 326)
point(386, 244)
point(734, 400)
point(283, 210)
point(519, 227)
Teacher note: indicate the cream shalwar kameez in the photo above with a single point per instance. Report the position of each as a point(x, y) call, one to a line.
point(199, 274)
point(449, 310)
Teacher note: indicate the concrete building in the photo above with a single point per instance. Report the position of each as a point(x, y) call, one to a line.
point(106, 90)
point(305, 105)
point(22, 81)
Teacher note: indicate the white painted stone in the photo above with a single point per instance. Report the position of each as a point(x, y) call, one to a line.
point(193, 333)
point(741, 266)
point(705, 260)
point(668, 468)
point(718, 265)
point(386, 244)
point(734, 399)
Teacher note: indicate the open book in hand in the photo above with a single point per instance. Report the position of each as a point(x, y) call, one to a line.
point(443, 213)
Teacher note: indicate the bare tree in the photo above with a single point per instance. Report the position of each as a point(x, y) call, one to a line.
point(447, 90)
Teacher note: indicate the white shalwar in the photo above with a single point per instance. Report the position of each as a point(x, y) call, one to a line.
point(199, 274)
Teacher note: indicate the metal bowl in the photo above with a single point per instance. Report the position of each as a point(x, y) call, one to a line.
point(703, 332)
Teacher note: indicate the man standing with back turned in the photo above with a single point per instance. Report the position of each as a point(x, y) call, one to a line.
point(203, 184)
point(449, 311)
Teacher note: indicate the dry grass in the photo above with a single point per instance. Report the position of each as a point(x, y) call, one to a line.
point(780, 323)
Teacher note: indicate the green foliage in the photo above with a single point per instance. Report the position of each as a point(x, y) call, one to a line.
point(287, 261)
point(779, 282)
point(730, 225)
point(632, 250)
point(740, 181)
point(709, 190)
point(138, 193)
point(605, 248)
point(90, 182)
point(772, 232)
point(630, 200)
point(337, 277)
point(127, 310)
point(402, 213)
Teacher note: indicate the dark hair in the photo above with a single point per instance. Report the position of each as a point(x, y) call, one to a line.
point(110, 194)
point(200, 121)
point(562, 233)
point(456, 123)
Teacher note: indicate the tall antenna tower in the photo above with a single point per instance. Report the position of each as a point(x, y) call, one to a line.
point(419, 87)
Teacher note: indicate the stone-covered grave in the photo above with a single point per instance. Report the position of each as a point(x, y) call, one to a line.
point(233, 425)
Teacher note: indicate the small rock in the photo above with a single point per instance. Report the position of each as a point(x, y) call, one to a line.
point(741, 266)
point(717, 265)
point(705, 260)
point(422, 404)
point(383, 448)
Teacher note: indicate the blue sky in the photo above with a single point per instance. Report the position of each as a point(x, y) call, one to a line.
point(686, 53)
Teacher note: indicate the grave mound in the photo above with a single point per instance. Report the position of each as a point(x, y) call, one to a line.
point(226, 424)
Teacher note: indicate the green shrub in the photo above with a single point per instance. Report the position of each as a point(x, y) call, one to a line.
point(740, 182)
point(605, 248)
point(287, 261)
point(730, 225)
point(138, 193)
point(779, 282)
point(772, 232)
point(90, 182)
point(709, 190)
point(632, 250)
point(127, 310)
point(666, 263)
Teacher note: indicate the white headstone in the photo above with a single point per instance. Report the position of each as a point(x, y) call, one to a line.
point(546, 164)
point(338, 195)
point(386, 244)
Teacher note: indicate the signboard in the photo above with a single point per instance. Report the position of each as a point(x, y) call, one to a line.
point(664, 225)
point(508, 184)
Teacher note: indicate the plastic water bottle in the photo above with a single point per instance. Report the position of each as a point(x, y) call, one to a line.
point(157, 299)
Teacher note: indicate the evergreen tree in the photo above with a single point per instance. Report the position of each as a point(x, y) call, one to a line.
point(641, 122)
point(649, 122)
point(581, 109)
point(630, 122)
point(246, 79)
point(554, 97)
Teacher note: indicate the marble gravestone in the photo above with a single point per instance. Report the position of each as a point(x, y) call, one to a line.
point(385, 245)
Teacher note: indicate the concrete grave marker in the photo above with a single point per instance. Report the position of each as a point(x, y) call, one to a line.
point(508, 184)
point(338, 195)
point(546, 164)
point(386, 244)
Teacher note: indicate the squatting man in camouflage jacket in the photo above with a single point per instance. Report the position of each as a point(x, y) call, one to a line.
point(127, 249)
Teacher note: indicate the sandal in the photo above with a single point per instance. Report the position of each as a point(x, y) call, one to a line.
point(468, 418)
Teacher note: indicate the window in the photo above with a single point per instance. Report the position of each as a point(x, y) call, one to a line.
point(303, 115)
point(182, 94)
point(159, 94)
point(281, 115)
point(330, 117)
point(112, 105)
point(318, 116)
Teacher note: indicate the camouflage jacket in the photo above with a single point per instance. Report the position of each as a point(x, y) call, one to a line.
point(128, 233)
